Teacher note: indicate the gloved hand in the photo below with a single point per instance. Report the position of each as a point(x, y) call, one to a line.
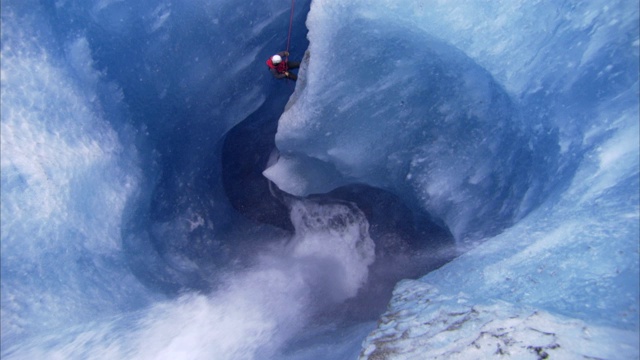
point(286, 73)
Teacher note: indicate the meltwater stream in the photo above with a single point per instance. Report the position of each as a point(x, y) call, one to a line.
point(137, 221)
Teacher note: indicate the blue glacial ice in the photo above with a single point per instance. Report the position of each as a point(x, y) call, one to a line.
point(136, 221)
point(519, 133)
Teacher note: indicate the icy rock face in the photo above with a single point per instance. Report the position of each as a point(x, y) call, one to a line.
point(111, 114)
point(475, 121)
point(562, 282)
point(385, 103)
point(509, 116)
point(66, 178)
point(534, 132)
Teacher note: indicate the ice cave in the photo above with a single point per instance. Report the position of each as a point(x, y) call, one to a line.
point(444, 180)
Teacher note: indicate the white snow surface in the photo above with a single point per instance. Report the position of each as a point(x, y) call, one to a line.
point(426, 324)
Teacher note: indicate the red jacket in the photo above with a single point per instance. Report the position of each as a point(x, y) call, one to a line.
point(280, 68)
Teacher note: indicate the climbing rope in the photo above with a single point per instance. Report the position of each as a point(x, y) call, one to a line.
point(293, 4)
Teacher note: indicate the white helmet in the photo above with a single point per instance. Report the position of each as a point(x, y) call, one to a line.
point(276, 59)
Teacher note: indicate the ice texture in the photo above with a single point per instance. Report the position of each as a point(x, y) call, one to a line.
point(432, 124)
point(425, 324)
point(63, 164)
point(516, 124)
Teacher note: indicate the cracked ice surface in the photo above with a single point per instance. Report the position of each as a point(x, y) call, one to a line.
point(423, 323)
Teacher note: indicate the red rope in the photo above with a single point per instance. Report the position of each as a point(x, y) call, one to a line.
point(293, 4)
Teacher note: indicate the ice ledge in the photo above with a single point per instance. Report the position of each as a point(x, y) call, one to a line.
point(424, 323)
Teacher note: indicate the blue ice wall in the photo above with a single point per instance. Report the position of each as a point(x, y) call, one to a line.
point(515, 124)
point(69, 171)
point(112, 121)
point(475, 121)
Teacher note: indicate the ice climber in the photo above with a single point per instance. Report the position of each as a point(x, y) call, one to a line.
point(280, 66)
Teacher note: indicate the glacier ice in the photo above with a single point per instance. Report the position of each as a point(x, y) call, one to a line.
point(431, 123)
point(56, 178)
point(131, 202)
point(465, 328)
point(504, 130)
